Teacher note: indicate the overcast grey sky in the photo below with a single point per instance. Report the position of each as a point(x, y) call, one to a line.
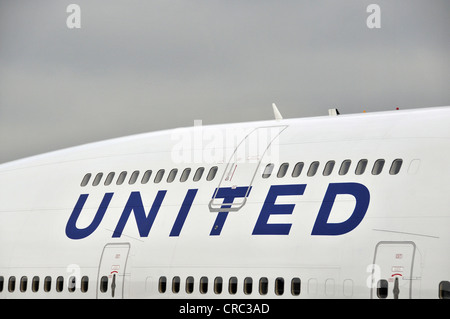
point(139, 66)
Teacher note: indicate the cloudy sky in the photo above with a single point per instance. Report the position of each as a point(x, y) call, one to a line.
point(138, 66)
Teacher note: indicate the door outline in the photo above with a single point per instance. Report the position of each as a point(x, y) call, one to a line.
point(233, 207)
point(410, 275)
point(119, 245)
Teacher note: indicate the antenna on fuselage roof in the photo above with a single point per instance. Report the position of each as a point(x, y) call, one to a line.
point(276, 113)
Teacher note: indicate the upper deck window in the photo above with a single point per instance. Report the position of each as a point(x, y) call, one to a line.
point(361, 167)
point(396, 166)
point(378, 167)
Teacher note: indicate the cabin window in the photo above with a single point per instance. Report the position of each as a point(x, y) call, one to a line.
point(35, 284)
point(1, 283)
point(268, 171)
point(162, 286)
point(212, 173)
point(382, 289)
point(329, 166)
point(59, 283)
point(121, 178)
point(345, 167)
point(146, 177)
point(378, 167)
point(109, 178)
point(159, 176)
point(72, 284)
point(282, 170)
point(176, 283)
point(298, 169)
point(313, 169)
point(361, 167)
point(84, 283)
point(85, 180)
point(232, 285)
point(204, 285)
point(47, 283)
point(97, 179)
point(134, 177)
point(190, 285)
point(23, 283)
point(263, 286)
point(444, 290)
point(396, 166)
point(12, 284)
point(279, 286)
point(295, 286)
point(104, 284)
point(218, 285)
point(172, 175)
point(248, 285)
point(198, 174)
point(185, 175)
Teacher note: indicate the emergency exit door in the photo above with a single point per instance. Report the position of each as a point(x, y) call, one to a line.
point(394, 264)
point(112, 271)
point(243, 165)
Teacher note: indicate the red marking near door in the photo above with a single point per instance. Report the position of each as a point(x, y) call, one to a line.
point(397, 274)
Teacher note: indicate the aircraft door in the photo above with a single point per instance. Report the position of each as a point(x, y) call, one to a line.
point(393, 270)
point(243, 165)
point(111, 272)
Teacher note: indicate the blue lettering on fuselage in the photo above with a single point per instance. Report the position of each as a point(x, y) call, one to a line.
point(262, 226)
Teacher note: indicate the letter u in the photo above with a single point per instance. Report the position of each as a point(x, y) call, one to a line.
point(72, 231)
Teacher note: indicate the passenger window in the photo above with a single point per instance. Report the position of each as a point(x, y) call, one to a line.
point(282, 170)
point(396, 166)
point(190, 285)
point(204, 285)
point(185, 175)
point(329, 166)
point(72, 284)
point(146, 176)
point(133, 177)
point(345, 167)
point(268, 171)
point(172, 175)
point(218, 284)
point(361, 167)
point(159, 176)
point(109, 178)
point(84, 283)
point(97, 179)
point(212, 173)
point(198, 174)
point(104, 284)
point(121, 178)
point(279, 286)
point(12, 284)
point(35, 284)
point(176, 282)
point(298, 169)
point(295, 286)
point(47, 283)
point(248, 285)
point(444, 290)
point(263, 286)
point(382, 289)
point(1, 283)
point(162, 286)
point(313, 169)
point(232, 285)
point(59, 283)
point(85, 180)
point(378, 167)
point(23, 283)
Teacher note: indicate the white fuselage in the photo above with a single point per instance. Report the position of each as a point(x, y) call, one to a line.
point(327, 207)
